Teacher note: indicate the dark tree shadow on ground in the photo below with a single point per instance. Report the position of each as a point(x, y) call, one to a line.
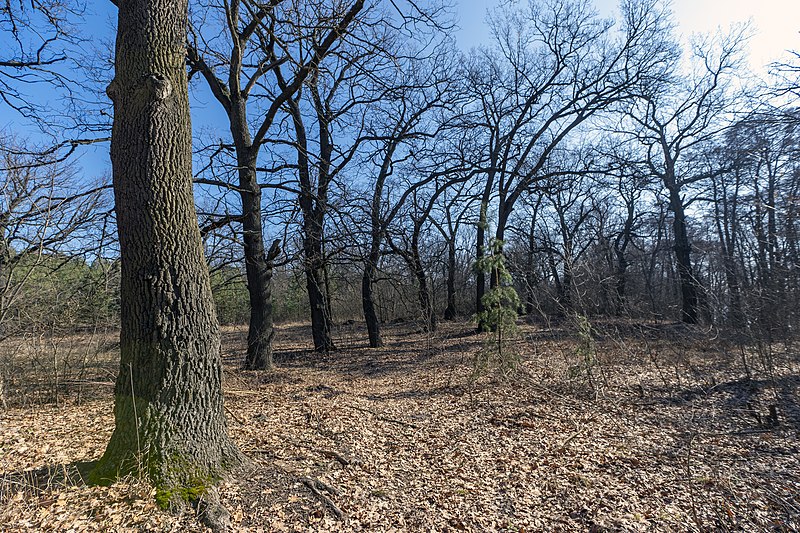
point(46, 479)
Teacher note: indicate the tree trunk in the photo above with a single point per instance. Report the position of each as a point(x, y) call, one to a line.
point(565, 294)
point(621, 284)
point(531, 277)
point(371, 264)
point(423, 294)
point(450, 312)
point(313, 205)
point(315, 285)
point(500, 236)
point(480, 245)
point(170, 420)
point(726, 218)
point(683, 250)
point(620, 248)
point(367, 298)
point(258, 264)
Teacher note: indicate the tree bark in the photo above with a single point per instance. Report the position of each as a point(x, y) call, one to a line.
point(367, 298)
point(450, 312)
point(170, 419)
point(321, 323)
point(313, 204)
point(565, 293)
point(258, 263)
point(377, 230)
point(683, 250)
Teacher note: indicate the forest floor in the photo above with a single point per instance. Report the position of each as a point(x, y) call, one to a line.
point(645, 427)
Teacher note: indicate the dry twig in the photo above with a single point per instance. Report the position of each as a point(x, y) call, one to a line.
point(316, 487)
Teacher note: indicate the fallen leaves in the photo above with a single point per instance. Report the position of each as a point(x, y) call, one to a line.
point(404, 443)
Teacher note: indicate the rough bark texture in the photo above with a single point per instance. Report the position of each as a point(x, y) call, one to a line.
point(170, 420)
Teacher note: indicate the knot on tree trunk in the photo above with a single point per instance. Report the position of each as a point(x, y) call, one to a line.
point(153, 86)
point(158, 86)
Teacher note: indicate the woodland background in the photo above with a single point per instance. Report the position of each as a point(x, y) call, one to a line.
point(615, 210)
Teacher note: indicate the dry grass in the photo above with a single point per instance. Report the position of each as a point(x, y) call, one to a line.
point(643, 428)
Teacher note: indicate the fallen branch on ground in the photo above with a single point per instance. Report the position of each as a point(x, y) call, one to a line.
point(316, 487)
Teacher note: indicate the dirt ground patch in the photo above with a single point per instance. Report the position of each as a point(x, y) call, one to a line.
point(655, 428)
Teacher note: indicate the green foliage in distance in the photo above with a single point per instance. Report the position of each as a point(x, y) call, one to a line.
point(51, 292)
point(499, 315)
point(291, 298)
point(229, 287)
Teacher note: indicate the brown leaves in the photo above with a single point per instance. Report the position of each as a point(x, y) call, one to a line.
point(408, 446)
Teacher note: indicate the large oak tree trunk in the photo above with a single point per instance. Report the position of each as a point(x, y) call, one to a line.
point(170, 420)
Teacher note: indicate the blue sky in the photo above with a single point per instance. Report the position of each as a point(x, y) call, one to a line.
point(776, 26)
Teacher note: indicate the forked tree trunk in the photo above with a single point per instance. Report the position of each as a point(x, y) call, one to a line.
point(170, 420)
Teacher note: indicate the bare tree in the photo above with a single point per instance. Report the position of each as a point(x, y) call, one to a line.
point(555, 65)
point(457, 205)
point(673, 118)
point(410, 115)
point(41, 216)
point(35, 36)
point(286, 40)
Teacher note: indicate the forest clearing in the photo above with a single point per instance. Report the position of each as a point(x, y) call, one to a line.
point(357, 265)
point(656, 427)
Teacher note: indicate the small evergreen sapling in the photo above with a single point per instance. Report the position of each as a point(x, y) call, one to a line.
point(499, 317)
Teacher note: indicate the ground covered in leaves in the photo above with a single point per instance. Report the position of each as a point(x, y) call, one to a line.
point(627, 427)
